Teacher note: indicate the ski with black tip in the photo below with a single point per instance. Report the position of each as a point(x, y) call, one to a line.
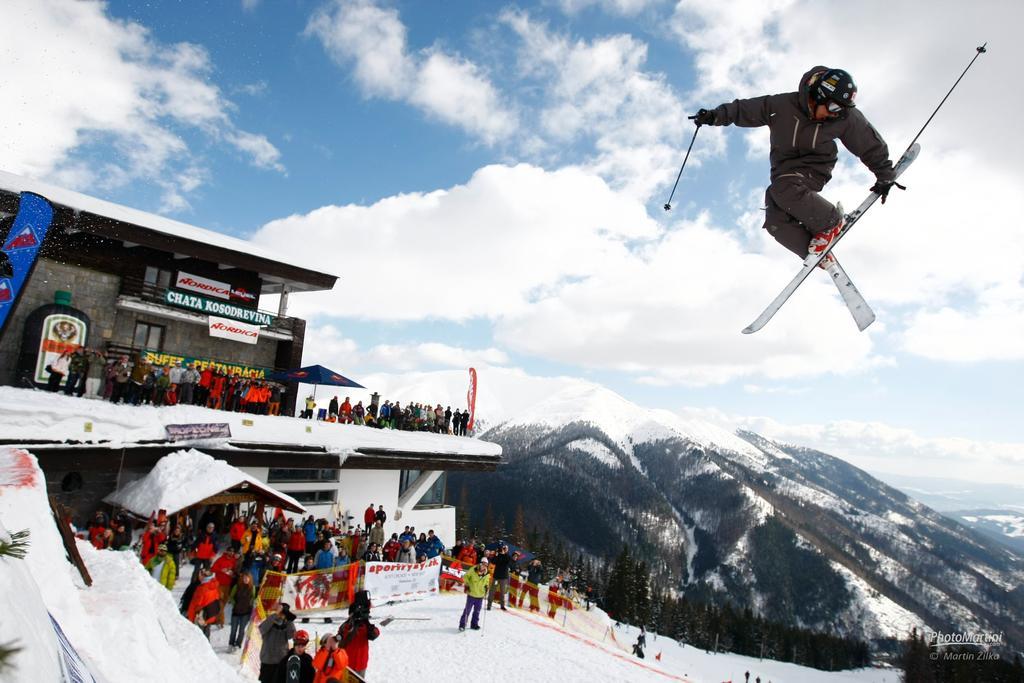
point(812, 260)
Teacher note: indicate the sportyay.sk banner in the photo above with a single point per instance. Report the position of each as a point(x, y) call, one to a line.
point(398, 581)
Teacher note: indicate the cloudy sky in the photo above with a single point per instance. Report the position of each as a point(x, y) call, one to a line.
point(487, 178)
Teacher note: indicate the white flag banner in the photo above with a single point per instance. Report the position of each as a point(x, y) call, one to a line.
point(398, 581)
point(234, 329)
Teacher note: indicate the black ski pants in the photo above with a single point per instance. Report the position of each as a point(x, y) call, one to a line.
point(795, 212)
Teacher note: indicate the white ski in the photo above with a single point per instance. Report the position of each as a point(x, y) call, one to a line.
point(859, 309)
point(811, 262)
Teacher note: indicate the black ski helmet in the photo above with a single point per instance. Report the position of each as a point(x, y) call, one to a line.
point(835, 85)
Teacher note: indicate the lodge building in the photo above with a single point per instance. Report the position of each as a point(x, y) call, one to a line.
point(123, 281)
point(148, 285)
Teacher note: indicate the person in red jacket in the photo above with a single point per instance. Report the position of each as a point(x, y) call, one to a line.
point(205, 548)
point(357, 632)
point(236, 532)
point(391, 549)
point(205, 603)
point(369, 516)
point(226, 569)
point(205, 380)
point(296, 549)
point(152, 537)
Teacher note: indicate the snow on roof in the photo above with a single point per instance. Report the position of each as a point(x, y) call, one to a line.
point(185, 478)
point(143, 219)
point(33, 416)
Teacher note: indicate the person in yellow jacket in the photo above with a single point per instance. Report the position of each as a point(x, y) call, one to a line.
point(162, 568)
point(253, 540)
point(476, 581)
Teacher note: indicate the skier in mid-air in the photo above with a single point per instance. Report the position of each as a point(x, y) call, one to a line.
point(804, 126)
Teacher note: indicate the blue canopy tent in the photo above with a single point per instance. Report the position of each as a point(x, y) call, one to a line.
point(315, 375)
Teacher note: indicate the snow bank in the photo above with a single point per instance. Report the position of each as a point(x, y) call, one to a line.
point(25, 624)
point(183, 478)
point(40, 415)
point(126, 626)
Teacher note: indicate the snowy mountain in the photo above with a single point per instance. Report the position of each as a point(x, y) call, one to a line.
point(793, 533)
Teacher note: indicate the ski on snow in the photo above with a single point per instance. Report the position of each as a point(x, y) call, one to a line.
point(846, 288)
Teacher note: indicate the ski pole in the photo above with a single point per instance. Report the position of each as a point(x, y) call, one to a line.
point(980, 51)
point(668, 204)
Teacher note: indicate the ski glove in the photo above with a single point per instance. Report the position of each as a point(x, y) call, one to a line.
point(882, 187)
point(704, 117)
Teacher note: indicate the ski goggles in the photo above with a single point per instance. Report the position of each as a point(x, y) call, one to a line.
point(834, 107)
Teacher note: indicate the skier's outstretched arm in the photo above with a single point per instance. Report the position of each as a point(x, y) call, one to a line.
point(749, 113)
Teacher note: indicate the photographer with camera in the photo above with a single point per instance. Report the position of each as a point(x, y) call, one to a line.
point(357, 632)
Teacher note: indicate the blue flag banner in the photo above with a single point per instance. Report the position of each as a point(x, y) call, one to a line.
point(20, 249)
point(75, 670)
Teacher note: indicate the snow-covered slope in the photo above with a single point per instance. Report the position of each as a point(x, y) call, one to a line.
point(532, 648)
point(125, 626)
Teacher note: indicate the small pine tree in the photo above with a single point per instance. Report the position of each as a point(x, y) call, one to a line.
point(16, 548)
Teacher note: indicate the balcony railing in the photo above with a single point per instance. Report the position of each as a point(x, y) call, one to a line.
point(153, 293)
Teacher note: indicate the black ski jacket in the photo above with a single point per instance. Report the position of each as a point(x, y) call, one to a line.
point(801, 145)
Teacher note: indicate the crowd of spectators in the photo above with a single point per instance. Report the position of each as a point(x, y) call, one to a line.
point(413, 417)
point(137, 381)
point(230, 555)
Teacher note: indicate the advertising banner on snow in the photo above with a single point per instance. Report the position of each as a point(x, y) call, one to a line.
point(206, 430)
point(398, 581)
point(214, 288)
point(223, 328)
point(20, 248)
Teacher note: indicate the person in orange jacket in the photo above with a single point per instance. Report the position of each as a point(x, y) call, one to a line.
point(330, 662)
point(205, 604)
point(467, 555)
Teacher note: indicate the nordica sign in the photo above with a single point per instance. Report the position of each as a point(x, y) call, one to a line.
point(221, 308)
point(214, 288)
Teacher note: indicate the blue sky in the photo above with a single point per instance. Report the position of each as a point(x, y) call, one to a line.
point(487, 178)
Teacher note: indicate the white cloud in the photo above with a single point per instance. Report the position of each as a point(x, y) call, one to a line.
point(993, 329)
point(599, 91)
point(456, 92)
point(877, 446)
point(77, 78)
point(620, 7)
point(484, 249)
point(326, 344)
point(671, 313)
point(406, 357)
point(447, 87)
